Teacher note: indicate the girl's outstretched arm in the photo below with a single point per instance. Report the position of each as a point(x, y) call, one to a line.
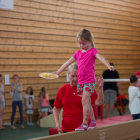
point(65, 65)
point(104, 61)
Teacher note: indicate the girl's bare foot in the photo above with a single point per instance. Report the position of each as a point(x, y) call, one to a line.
point(13, 127)
point(22, 126)
point(2, 128)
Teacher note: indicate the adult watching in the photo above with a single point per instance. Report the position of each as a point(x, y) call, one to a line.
point(71, 101)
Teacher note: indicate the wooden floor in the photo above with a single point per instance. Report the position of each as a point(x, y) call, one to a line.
point(35, 131)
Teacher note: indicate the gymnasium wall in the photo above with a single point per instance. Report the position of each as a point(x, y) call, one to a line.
point(39, 36)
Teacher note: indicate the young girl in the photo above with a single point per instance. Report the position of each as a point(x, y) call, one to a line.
point(29, 105)
point(86, 74)
point(45, 104)
point(39, 109)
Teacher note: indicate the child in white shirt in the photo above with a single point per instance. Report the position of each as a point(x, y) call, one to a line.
point(134, 97)
point(29, 105)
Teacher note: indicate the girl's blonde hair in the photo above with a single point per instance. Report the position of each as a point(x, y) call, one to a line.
point(86, 35)
point(43, 91)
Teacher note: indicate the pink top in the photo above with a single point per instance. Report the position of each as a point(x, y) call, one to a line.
point(44, 101)
point(2, 92)
point(86, 63)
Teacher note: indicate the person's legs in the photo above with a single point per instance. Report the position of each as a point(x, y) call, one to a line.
point(106, 101)
point(30, 116)
point(27, 117)
point(139, 116)
point(107, 110)
point(86, 111)
point(31, 120)
point(91, 114)
point(1, 117)
point(86, 91)
point(86, 106)
point(92, 117)
point(45, 113)
point(135, 117)
point(113, 99)
point(111, 109)
point(14, 104)
point(39, 117)
point(20, 106)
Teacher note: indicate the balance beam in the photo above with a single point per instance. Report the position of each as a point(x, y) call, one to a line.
point(121, 131)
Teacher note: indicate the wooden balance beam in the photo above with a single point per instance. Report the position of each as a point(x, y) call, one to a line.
point(122, 131)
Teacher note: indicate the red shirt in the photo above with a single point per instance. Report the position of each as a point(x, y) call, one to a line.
point(68, 99)
point(138, 74)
